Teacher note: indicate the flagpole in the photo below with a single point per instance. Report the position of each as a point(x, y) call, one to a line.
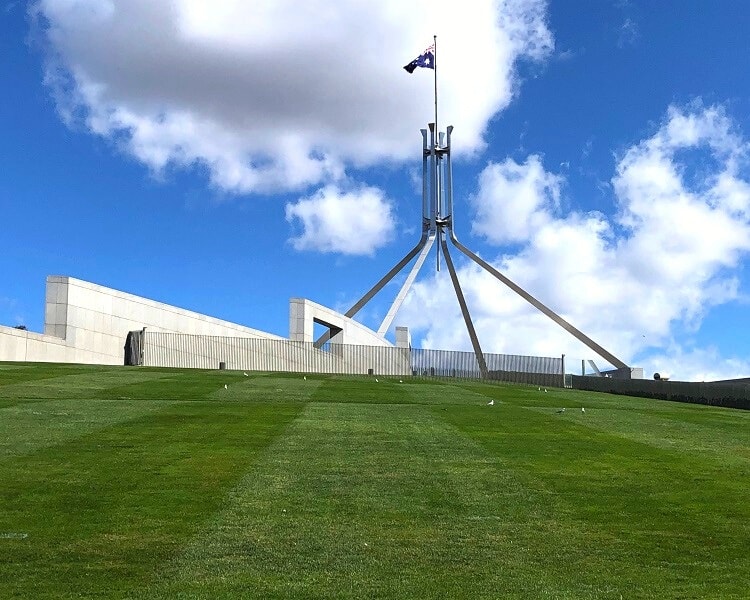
point(434, 41)
point(437, 143)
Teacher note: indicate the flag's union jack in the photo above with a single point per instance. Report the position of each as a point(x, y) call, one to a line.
point(426, 60)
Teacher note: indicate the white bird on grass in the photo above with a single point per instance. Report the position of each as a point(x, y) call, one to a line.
point(401, 381)
point(583, 410)
point(246, 375)
point(226, 387)
point(491, 402)
point(562, 410)
point(376, 380)
point(545, 390)
point(304, 377)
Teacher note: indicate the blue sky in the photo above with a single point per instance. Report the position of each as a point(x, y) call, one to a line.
point(225, 158)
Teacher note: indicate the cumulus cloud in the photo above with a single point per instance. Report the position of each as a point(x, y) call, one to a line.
point(702, 364)
point(514, 200)
point(275, 95)
point(669, 255)
point(683, 237)
point(351, 222)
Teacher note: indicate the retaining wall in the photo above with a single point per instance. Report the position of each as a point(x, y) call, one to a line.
point(730, 395)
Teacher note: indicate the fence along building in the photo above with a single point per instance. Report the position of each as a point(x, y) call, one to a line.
point(161, 349)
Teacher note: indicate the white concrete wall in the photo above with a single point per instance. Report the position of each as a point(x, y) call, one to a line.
point(302, 316)
point(17, 345)
point(88, 323)
point(403, 337)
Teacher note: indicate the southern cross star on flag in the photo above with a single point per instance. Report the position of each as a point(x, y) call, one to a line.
point(426, 60)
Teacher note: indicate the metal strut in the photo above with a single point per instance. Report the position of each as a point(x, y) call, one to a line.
point(405, 288)
point(465, 311)
point(578, 334)
point(378, 286)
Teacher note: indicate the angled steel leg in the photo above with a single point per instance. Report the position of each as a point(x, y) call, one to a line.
point(406, 287)
point(378, 286)
point(579, 335)
point(596, 369)
point(465, 310)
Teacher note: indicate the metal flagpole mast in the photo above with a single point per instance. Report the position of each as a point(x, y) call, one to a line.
point(434, 69)
point(435, 146)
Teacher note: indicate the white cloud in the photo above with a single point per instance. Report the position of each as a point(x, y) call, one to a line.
point(277, 95)
point(514, 200)
point(697, 364)
point(629, 33)
point(682, 237)
point(352, 222)
point(667, 258)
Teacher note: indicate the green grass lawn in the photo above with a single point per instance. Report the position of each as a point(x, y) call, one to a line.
point(121, 482)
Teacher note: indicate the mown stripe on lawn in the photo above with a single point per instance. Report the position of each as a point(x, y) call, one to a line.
point(30, 426)
point(361, 390)
point(368, 501)
point(42, 413)
point(721, 433)
point(101, 512)
point(11, 373)
point(395, 390)
point(724, 438)
point(620, 499)
point(78, 385)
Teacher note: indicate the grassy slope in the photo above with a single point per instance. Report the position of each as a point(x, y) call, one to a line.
point(147, 483)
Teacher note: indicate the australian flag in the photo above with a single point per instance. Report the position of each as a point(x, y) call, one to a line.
point(426, 60)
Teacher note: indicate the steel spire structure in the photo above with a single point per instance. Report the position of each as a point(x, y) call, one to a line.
point(438, 222)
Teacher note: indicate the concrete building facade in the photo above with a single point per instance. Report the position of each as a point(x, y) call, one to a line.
point(303, 314)
point(89, 323)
